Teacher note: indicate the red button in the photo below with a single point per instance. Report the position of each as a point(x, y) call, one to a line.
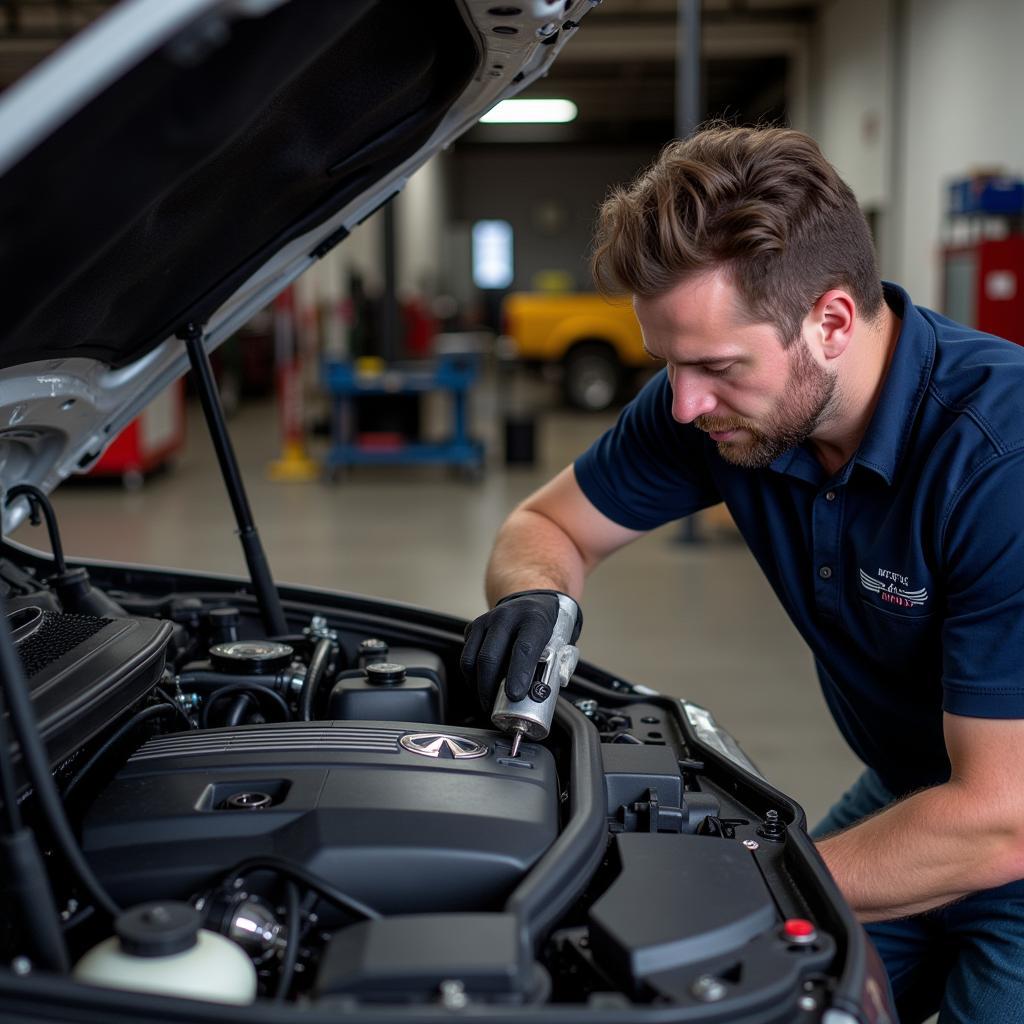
point(798, 928)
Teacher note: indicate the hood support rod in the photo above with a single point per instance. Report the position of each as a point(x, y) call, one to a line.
point(267, 596)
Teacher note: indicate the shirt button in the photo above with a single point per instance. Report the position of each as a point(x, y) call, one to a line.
point(825, 572)
point(830, 495)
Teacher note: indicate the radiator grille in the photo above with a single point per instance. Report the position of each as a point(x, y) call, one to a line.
point(298, 736)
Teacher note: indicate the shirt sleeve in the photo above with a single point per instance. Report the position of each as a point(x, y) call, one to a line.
point(647, 469)
point(983, 630)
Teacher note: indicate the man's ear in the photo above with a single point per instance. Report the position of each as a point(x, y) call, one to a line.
point(830, 322)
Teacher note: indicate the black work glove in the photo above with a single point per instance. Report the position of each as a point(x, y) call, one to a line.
point(507, 642)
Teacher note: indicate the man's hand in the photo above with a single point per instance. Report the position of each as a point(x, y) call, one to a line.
point(507, 642)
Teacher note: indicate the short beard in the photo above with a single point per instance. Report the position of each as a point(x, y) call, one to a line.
point(809, 400)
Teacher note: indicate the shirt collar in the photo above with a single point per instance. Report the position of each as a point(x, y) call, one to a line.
point(906, 380)
point(908, 375)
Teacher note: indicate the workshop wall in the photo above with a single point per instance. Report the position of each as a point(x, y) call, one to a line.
point(549, 195)
point(963, 80)
point(911, 93)
point(853, 109)
point(421, 212)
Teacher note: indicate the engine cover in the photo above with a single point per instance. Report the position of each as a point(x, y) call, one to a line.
point(407, 821)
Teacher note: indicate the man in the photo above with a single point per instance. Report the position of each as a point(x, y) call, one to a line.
point(872, 455)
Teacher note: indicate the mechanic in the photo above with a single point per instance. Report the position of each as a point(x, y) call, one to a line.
point(871, 453)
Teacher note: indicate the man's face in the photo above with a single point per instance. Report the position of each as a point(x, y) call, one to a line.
point(731, 378)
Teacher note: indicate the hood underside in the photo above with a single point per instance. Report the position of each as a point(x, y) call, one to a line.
point(183, 163)
point(165, 193)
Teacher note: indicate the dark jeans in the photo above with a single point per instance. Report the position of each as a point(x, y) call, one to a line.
point(964, 961)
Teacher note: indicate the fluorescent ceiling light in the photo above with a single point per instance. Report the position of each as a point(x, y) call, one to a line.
point(531, 112)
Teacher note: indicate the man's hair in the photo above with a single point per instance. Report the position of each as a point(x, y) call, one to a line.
point(762, 203)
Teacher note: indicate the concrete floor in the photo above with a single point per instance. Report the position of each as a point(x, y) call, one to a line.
point(690, 620)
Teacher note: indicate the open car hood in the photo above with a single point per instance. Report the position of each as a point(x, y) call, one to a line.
point(183, 163)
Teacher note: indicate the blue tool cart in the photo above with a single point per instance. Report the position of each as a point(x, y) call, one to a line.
point(453, 373)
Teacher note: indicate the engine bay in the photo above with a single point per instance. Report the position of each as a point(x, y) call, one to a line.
point(332, 800)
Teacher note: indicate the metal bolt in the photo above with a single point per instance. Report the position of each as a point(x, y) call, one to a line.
point(587, 706)
point(547, 30)
point(21, 965)
point(708, 989)
point(772, 829)
point(750, 844)
point(453, 995)
point(807, 1003)
point(319, 629)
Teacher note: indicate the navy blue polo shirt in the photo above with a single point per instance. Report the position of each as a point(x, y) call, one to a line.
point(904, 571)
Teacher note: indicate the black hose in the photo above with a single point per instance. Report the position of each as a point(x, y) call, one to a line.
point(558, 879)
point(205, 681)
point(315, 674)
point(239, 710)
point(12, 815)
point(37, 768)
point(23, 871)
point(291, 949)
point(38, 500)
point(299, 874)
point(156, 711)
point(248, 688)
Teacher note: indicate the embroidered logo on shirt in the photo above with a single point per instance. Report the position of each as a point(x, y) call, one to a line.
point(891, 588)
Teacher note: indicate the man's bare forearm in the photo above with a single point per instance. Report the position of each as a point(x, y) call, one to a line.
point(925, 851)
point(532, 552)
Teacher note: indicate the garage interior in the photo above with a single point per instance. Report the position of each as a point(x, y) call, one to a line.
point(905, 97)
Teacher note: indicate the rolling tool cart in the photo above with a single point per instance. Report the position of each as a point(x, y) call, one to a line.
point(346, 383)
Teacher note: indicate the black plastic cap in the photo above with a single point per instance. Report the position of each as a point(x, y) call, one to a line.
point(224, 616)
point(385, 673)
point(158, 929)
point(224, 623)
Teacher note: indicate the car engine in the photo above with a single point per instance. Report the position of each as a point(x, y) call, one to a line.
point(332, 800)
point(402, 820)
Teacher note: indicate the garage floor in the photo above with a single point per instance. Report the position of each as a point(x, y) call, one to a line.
point(694, 620)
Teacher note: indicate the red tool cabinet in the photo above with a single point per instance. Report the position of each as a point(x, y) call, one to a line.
point(149, 441)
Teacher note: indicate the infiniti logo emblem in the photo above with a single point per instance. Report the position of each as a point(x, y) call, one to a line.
point(436, 744)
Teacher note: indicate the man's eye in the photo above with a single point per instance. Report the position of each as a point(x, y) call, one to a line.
point(718, 370)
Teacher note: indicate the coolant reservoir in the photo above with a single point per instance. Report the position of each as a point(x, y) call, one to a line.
point(385, 691)
point(159, 947)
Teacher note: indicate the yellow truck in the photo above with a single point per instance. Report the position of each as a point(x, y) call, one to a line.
point(596, 342)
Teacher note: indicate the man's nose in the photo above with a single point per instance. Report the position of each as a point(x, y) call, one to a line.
point(691, 397)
